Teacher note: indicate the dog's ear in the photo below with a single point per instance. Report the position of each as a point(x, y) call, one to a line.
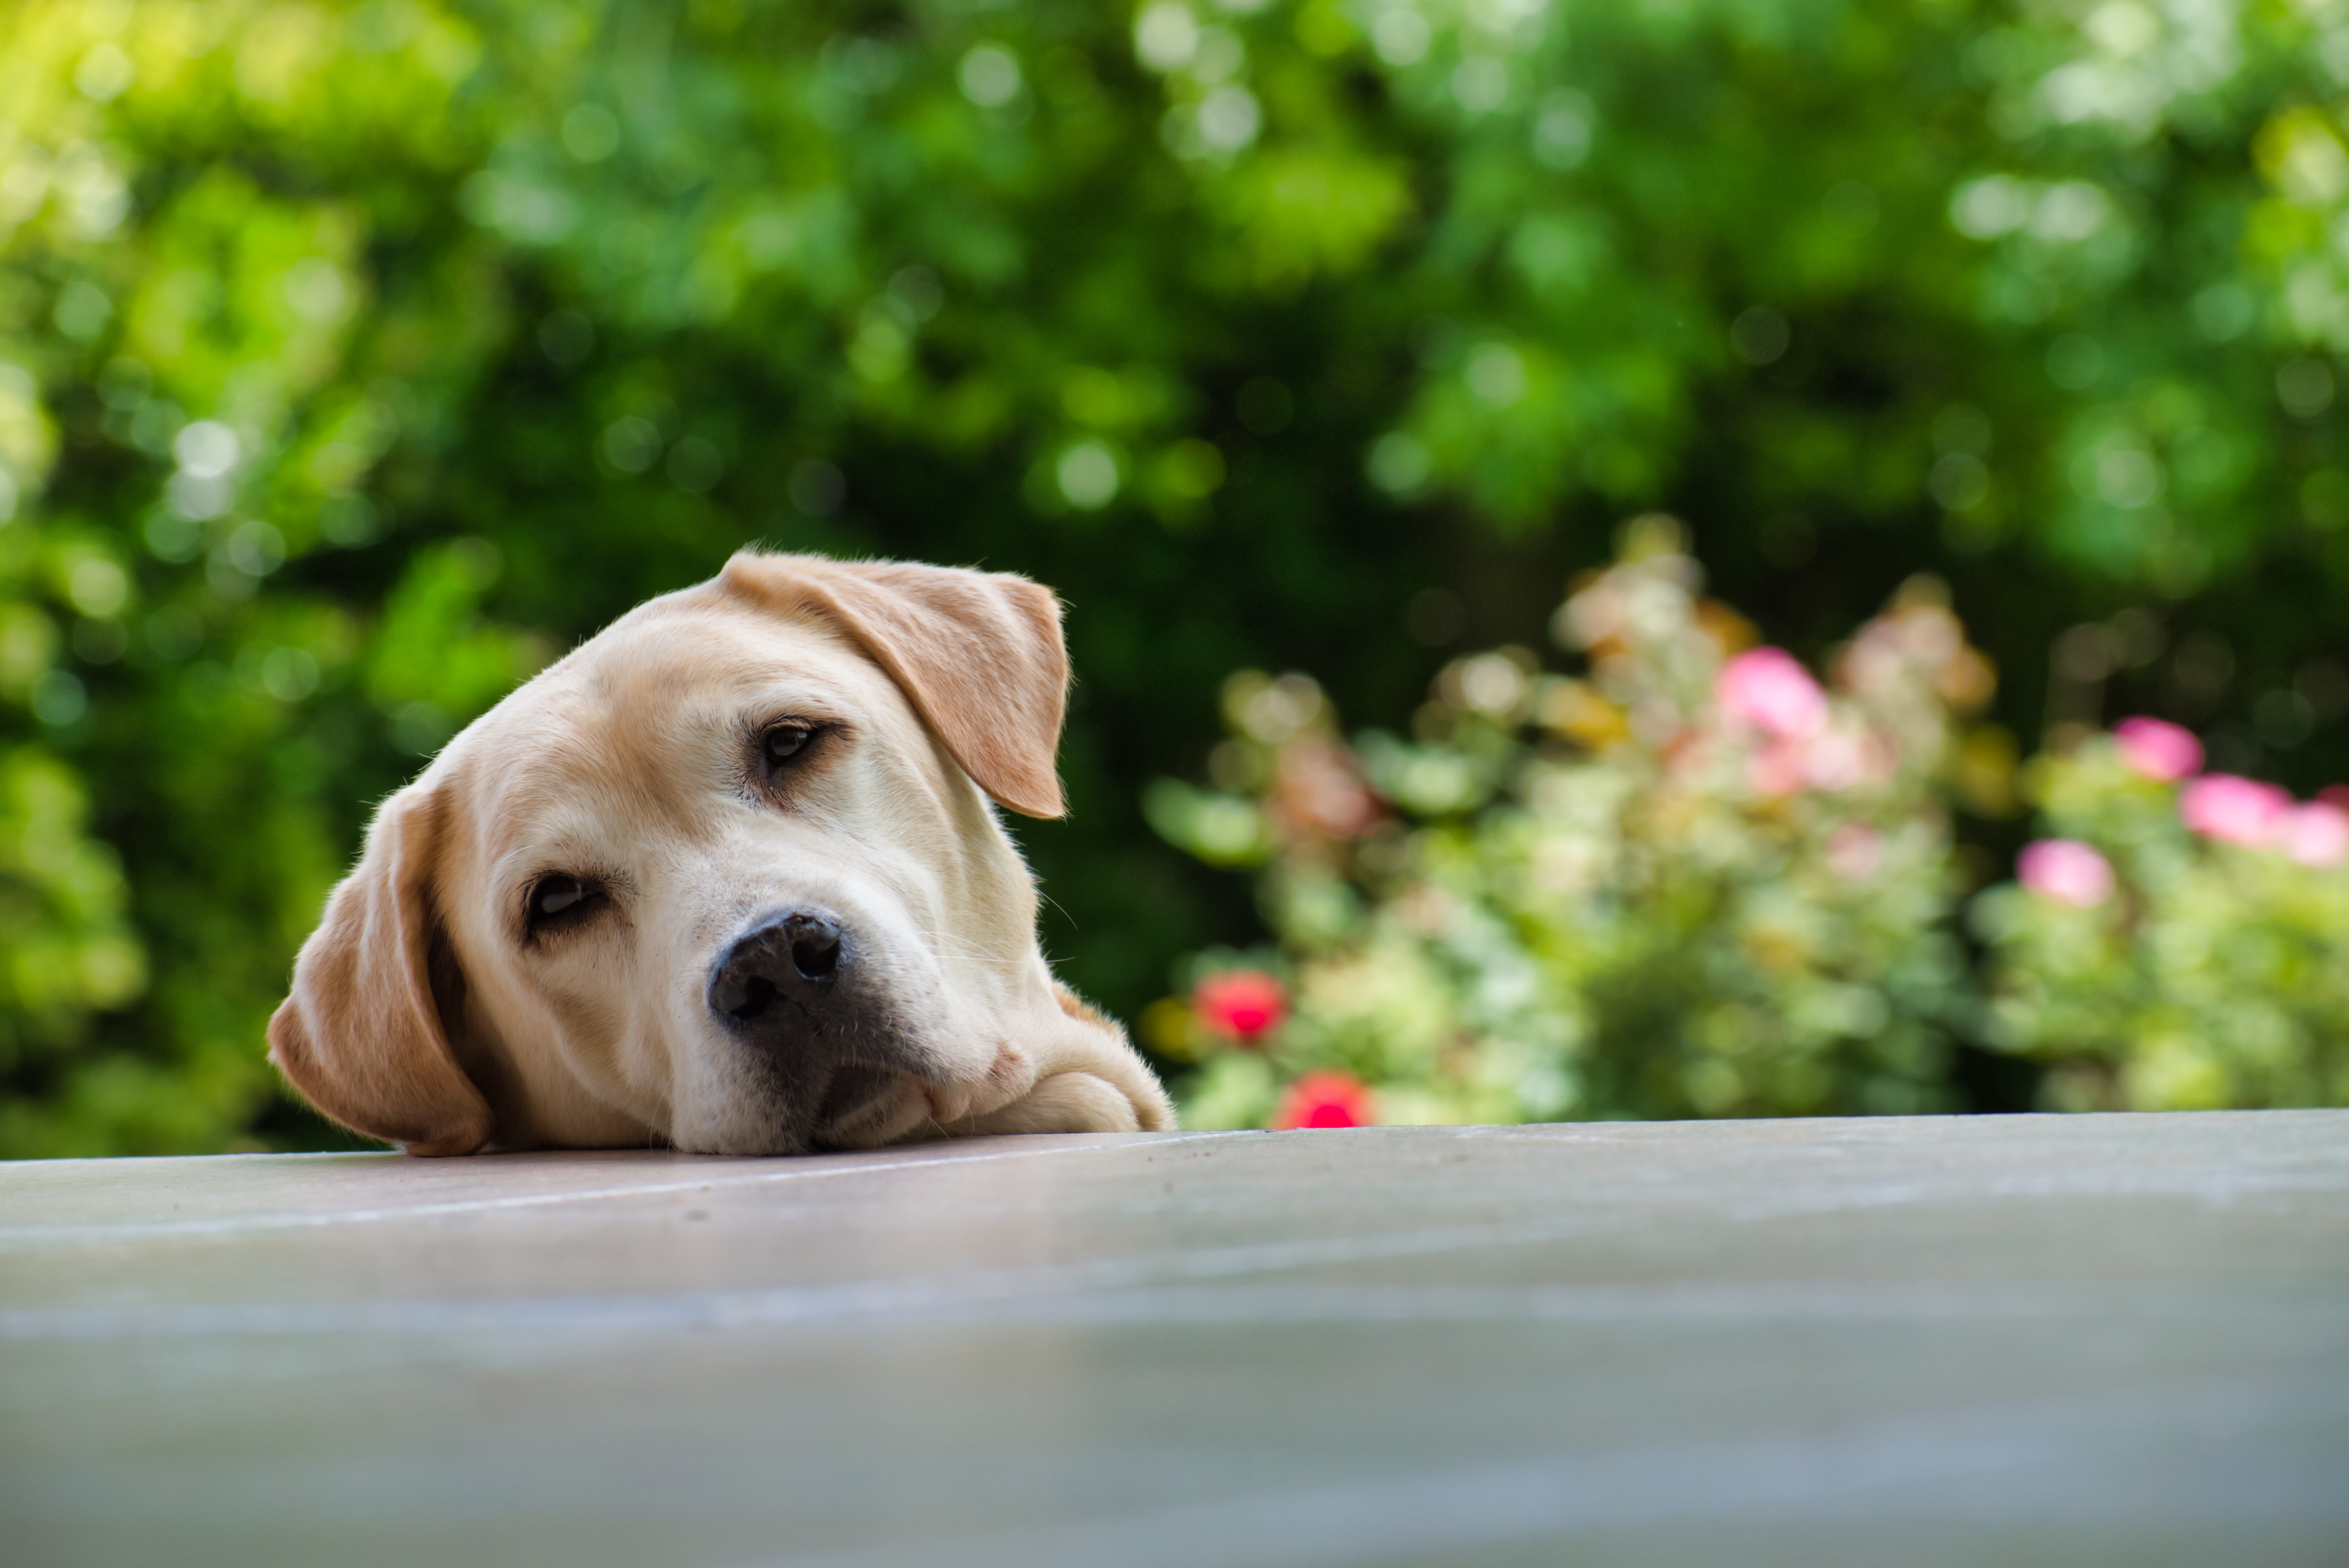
point(979, 653)
point(361, 1033)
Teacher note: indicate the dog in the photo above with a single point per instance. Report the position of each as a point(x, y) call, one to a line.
point(726, 880)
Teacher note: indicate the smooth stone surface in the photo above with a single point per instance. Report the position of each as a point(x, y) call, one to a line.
point(2102, 1340)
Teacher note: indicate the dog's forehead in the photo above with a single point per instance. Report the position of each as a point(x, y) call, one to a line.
point(642, 721)
point(696, 651)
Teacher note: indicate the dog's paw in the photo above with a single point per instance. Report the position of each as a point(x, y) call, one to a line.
point(1064, 1102)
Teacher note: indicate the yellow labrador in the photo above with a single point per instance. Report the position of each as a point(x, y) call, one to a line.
point(725, 879)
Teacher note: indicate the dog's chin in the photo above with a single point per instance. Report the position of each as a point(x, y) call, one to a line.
point(888, 1107)
point(867, 1108)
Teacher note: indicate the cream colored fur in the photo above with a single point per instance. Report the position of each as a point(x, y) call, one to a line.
point(422, 1012)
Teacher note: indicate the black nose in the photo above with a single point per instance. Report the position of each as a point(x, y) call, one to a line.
point(815, 946)
point(799, 957)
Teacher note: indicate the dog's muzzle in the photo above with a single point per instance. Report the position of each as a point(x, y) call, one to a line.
point(793, 988)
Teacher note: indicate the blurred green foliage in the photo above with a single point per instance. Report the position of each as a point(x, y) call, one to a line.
point(355, 359)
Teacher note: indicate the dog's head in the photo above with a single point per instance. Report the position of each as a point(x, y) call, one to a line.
point(724, 878)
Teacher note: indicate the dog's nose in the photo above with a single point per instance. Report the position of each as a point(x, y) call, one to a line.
point(815, 946)
point(804, 999)
point(800, 955)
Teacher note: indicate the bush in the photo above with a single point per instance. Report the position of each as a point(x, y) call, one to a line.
point(2184, 945)
point(1694, 880)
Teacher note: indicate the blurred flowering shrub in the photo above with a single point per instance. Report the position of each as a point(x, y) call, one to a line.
point(2184, 943)
point(1695, 880)
point(1691, 880)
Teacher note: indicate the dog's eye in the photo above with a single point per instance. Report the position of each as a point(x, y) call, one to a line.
point(785, 742)
point(559, 899)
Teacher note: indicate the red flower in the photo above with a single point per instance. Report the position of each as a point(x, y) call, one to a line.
point(1247, 1003)
point(1326, 1099)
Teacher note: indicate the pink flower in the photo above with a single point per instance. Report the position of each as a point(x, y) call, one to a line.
point(2067, 871)
point(1317, 792)
point(2316, 834)
point(2158, 750)
point(1325, 1099)
point(2231, 810)
point(1769, 690)
point(1248, 1004)
point(1776, 769)
point(1855, 851)
point(1840, 759)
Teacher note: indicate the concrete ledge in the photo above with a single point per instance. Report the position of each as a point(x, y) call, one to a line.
point(2025, 1339)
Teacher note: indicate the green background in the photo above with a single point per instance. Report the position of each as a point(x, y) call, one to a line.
point(355, 360)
